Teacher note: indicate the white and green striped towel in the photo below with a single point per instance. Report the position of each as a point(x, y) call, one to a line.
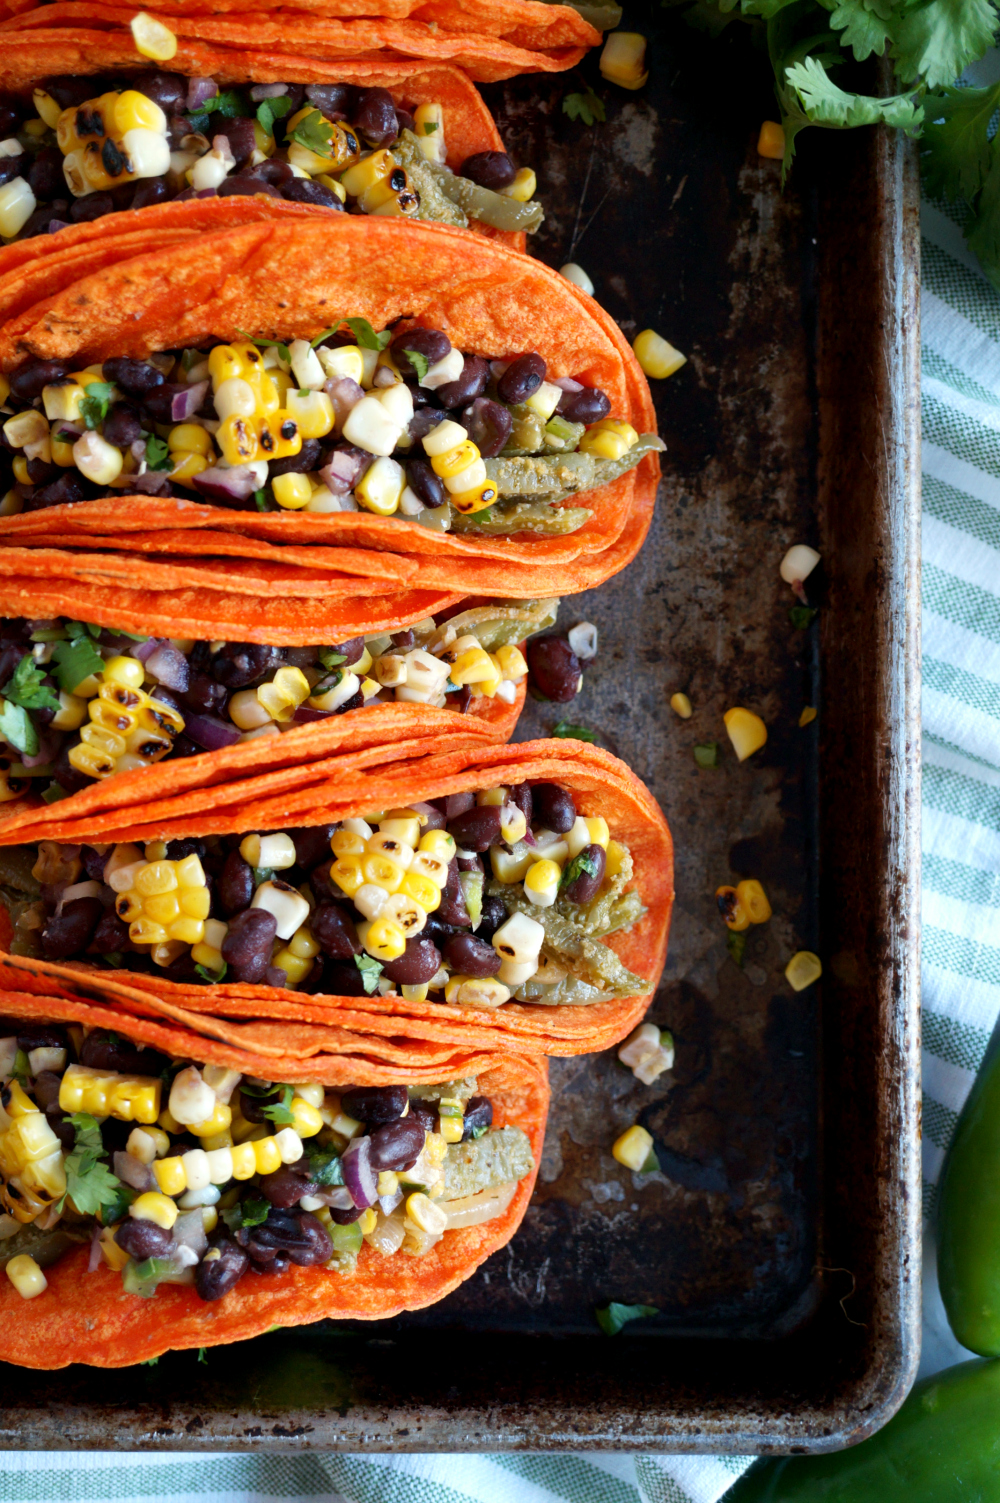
point(961, 949)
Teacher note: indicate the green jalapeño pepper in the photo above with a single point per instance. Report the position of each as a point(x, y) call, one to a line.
point(969, 1216)
point(942, 1447)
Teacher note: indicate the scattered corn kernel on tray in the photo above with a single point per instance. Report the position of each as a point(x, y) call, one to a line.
point(777, 1240)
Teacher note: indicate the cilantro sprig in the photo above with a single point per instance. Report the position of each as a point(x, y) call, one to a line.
point(370, 970)
point(586, 107)
point(27, 687)
point(89, 1183)
point(314, 133)
point(74, 661)
point(157, 453)
point(280, 1112)
point(270, 110)
point(612, 1317)
point(95, 405)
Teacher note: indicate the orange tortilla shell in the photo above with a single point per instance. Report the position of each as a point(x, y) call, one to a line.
point(341, 787)
point(211, 286)
point(88, 1318)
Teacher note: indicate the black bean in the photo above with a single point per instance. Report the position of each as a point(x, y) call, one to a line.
point(110, 1051)
point(470, 863)
point(68, 488)
point(273, 171)
point(40, 473)
point(478, 1114)
point(62, 1127)
point(278, 1264)
point(424, 483)
point(235, 887)
point(434, 816)
point(28, 380)
point(312, 842)
point(205, 695)
point(554, 667)
point(69, 89)
point(111, 935)
point(150, 190)
point(418, 963)
point(452, 909)
point(94, 206)
point(375, 117)
point(477, 829)
point(135, 377)
point(334, 932)
point(494, 913)
point(178, 849)
point(345, 1218)
point(334, 101)
point(423, 421)
point(9, 117)
point(351, 650)
point(12, 167)
point(40, 1036)
point(69, 933)
point(426, 1113)
point(122, 425)
point(46, 219)
point(308, 458)
point(375, 1105)
point(47, 1084)
point(397, 1145)
point(245, 187)
point(520, 797)
point(246, 948)
point(554, 807)
point(587, 406)
point(454, 804)
point(341, 980)
point(168, 90)
point(431, 343)
point(46, 176)
point(488, 425)
point(468, 955)
point(490, 169)
point(286, 1186)
point(300, 191)
point(585, 887)
point(216, 1277)
point(240, 663)
point(522, 377)
point(404, 640)
point(159, 402)
point(239, 132)
point(143, 1239)
point(469, 385)
point(300, 1236)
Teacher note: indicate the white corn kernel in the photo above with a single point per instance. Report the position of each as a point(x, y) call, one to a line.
point(289, 1145)
point(798, 563)
point(275, 851)
point(582, 638)
point(191, 1098)
point(370, 900)
point(17, 204)
point(289, 907)
point(192, 1200)
point(96, 458)
point(447, 435)
point(398, 403)
point(515, 973)
point(220, 1165)
point(370, 426)
point(141, 1146)
point(576, 274)
point(520, 938)
point(306, 368)
point(196, 1168)
point(235, 396)
point(26, 1276)
point(641, 1042)
point(444, 371)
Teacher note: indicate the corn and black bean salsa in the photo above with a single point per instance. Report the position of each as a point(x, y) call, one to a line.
point(84, 147)
point(181, 1174)
point(78, 702)
point(396, 424)
point(472, 899)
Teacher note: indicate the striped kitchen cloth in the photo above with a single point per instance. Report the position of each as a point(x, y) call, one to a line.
point(961, 957)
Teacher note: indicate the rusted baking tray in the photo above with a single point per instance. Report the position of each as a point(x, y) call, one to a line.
point(779, 1241)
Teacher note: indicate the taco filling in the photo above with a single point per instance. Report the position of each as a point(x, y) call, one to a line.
point(472, 899)
point(397, 423)
point(78, 702)
point(84, 147)
point(182, 1174)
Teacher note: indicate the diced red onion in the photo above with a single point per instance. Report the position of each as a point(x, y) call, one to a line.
point(388, 1203)
point(384, 377)
point(168, 666)
point(144, 650)
point(345, 393)
point(200, 89)
point(207, 193)
point(337, 1196)
point(94, 1261)
point(267, 91)
point(529, 837)
point(57, 224)
point(345, 469)
point(235, 485)
point(74, 890)
point(185, 403)
point(221, 145)
point(49, 743)
point(150, 483)
point(211, 734)
point(305, 715)
point(133, 1172)
point(359, 1176)
point(189, 1231)
point(566, 383)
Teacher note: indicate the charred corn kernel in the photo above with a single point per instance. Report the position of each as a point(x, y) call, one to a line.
point(519, 939)
point(453, 461)
point(190, 438)
point(732, 910)
point(384, 844)
point(615, 858)
point(747, 731)
point(633, 1147)
point(306, 1118)
point(541, 883)
point(753, 898)
point(347, 872)
point(512, 663)
point(471, 991)
point(623, 60)
point(292, 491)
point(170, 1176)
point(405, 912)
point(267, 1155)
point(29, 1157)
point(220, 1119)
point(287, 690)
point(26, 1276)
point(152, 39)
point(424, 892)
point(424, 1213)
point(609, 439)
point(657, 358)
point(295, 967)
point(394, 195)
point(367, 173)
point(244, 1160)
point(803, 969)
point(343, 145)
point(435, 868)
point(312, 410)
point(278, 437)
point(17, 204)
point(155, 1207)
point(383, 939)
point(681, 705)
point(10, 788)
point(103, 1093)
point(806, 718)
point(237, 439)
point(115, 1257)
point(523, 187)
point(381, 871)
point(771, 141)
point(344, 843)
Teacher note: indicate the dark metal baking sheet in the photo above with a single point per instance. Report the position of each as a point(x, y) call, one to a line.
point(779, 1240)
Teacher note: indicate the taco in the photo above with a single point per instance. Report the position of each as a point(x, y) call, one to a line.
point(387, 138)
point(152, 1201)
point(475, 422)
point(489, 39)
point(509, 897)
point(79, 703)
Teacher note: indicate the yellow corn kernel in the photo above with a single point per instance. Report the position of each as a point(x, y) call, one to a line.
point(62, 403)
point(609, 439)
point(347, 872)
point(209, 1219)
point(771, 141)
point(422, 890)
point(20, 468)
point(307, 1119)
point(470, 991)
point(190, 872)
point(170, 1175)
point(312, 410)
point(438, 843)
point(295, 967)
point(657, 358)
point(218, 1122)
point(753, 899)
point(190, 438)
point(541, 882)
point(20, 1103)
point(46, 108)
point(455, 460)
point(188, 931)
point(681, 705)
point(152, 39)
point(26, 1276)
point(303, 944)
point(414, 993)
point(115, 1257)
point(244, 1160)
point(597, 828)
point(452, 1129)
point(509, 867)
point(103, 1093)
point(186, 466)
point(162, 910)
point(155, 1207)
point(367, 1221)
point(401, 825)
point(155, 878)
point(623, 60)
point(291, 492)
point(512, 663)
point(383, 938)
point(223, 364)
point(422, 1210)
point(807, 717)
point(367, 173)
point(615, 858)
point(803, 969)
point(195, 902)
point(124, 670)
point(267, 1155)
point(633, 1147)
point(472, 667)
point(346, 843)
point(747, 731)
point(168, 1123)
point(278, 436)
point(732, 910)
point(288, 689)
point(381, 871)
point(524, 186)
point(160, 1140)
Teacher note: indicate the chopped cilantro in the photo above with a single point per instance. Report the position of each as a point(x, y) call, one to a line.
point(27, 687)
point(114, 1210)
point(89, 1183)
point(262, 501)
point(612, 1317)
point(566, 730)
point(586, 107)
point(325, 1167)
point(76, 629)
point(707, 754)
point(419, 362)
point(284, 352)
point(229, 104)
point(270, 110)
point(75, 661)
point(370, 970)
point(21, 1069)
point(365, 334)
point(280, 1112)
point(250, 1211)
point(802, 616)
point(480, 1131)
point(325, 334)
point(575, 868)
point(262, 874)
point(212, 977)
point(150, 1362)
point(314, 133)
point(94, 406)
point(203, 1355)
point(330, 658)
point(736, 944)
point(18, 730)
point(429, 127)
point(157, 453)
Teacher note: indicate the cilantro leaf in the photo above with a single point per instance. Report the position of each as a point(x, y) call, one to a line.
point(314, 133)
point(707, 755)
point(586, 107)
point(150, 1362)
point(279, 1112)
point(94, 406)
point(17, 729)
point(325, 1167)
point(157, 453)
point(330, 658)
point(612, 1317)
point(27, 688)
point(270, 110)
point(736, 944)
point(802, 616)
point(365, 334)
point(576, 868)
point(212, 977)
point(936, 42)
point(114, 1210)
point(228, 104)
point(370, 970)
point(420, 363)
point(956, 154)
point(865, 25)
point(262, 501)
point(325, 334)
point(827, 104)
point(269, 344)
point(250, 1211)
point(203, 1355)
point(567, 731)
point(89, 1183)
point(75, 661)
